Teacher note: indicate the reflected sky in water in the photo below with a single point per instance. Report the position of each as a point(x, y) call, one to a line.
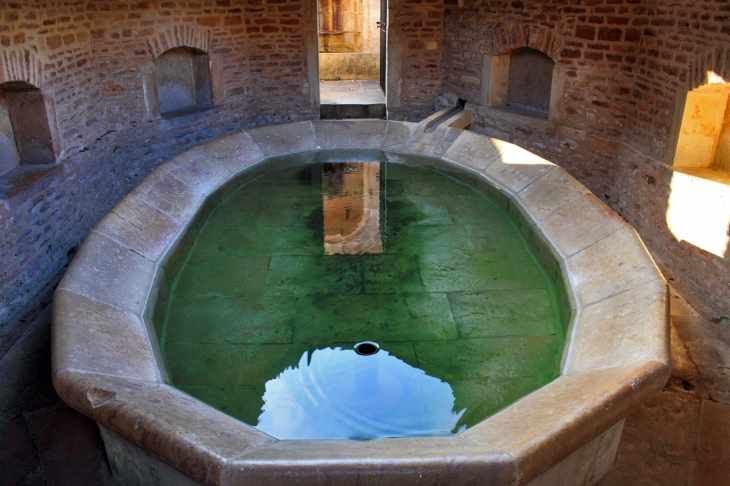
point(338, 394)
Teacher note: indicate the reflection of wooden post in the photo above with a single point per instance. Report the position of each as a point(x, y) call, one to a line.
point(352, 212)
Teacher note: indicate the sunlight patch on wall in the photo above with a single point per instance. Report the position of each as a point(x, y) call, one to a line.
point(699, 212)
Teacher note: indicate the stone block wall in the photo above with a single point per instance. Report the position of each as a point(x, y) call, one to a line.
point(626, 66)
point(415, 45)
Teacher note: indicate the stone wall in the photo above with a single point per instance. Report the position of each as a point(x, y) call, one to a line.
point(415, 44)
point(625, 68)
point(92, 61)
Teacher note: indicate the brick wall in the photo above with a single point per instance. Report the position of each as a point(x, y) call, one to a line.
point(419, 27)
point(89, 59)
point(627, 65)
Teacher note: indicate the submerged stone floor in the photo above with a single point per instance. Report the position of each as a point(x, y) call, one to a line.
point(450, 289)
point(680, 437)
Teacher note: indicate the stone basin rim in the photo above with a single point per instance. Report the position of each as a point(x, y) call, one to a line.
point(107, 365)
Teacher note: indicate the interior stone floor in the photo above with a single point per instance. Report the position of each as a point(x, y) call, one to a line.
point(680, 437)
point(365, 92)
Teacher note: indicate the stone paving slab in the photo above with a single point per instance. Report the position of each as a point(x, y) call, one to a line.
point(482, 271)
point(461, 208)
point(713, 453)
point(502, 313)
point(423, 239)
point(232, 320)
point(334, 318)
point(391, 273)
point(492, 394)
point(361, 92)
point(485, 357)
point(312, 275)
point(659, 440)
point(233, 276)
point(224, 364)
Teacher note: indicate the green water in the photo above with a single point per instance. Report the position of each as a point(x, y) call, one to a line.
point(276, 291)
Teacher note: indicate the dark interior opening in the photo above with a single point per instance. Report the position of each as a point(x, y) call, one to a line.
point(530, 79)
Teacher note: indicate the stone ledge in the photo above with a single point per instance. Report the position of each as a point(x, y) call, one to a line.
point(24, 177)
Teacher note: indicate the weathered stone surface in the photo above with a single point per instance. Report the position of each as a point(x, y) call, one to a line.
point(146, 413)
point(587, 464)
point(580, 223)
point(198, 170)
point(516, 168)
point(141, 227)
point(713, 455)
point(350, 134)
point(659, 440)
point(169, 194)
point(96, 337)
point(417, 459)
point(284, 139)
point(110, 273)
point(544, 439)
point(628, 326)
point(615, 264)
point(474, 151)
point(550, 192)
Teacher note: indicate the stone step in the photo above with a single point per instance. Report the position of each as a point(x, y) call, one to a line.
point(332, 112)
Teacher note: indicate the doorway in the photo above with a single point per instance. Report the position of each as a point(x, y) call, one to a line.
point(352, 45)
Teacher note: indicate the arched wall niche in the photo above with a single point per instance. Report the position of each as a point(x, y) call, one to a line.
point(520, 71)
point(175, 48)
point(178, 36)
point(20, 65)
point(508, 38)
point(28, 134)
point(182, 76)
point(25, 136)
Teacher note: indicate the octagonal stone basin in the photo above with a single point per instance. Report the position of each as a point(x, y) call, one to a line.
point(107, 363)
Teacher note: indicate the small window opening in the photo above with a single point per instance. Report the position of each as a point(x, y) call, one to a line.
point(25, 136)
point(704, 136)
point(530, 80)
point(183, 81)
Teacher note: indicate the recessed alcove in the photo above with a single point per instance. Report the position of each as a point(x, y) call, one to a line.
point(698, 209)
point(183, 81)
point(704, 135)
point(25, 136)
point(530, 80)
point(523, 81)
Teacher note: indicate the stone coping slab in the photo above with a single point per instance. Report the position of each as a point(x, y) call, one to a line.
point(106, 359)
